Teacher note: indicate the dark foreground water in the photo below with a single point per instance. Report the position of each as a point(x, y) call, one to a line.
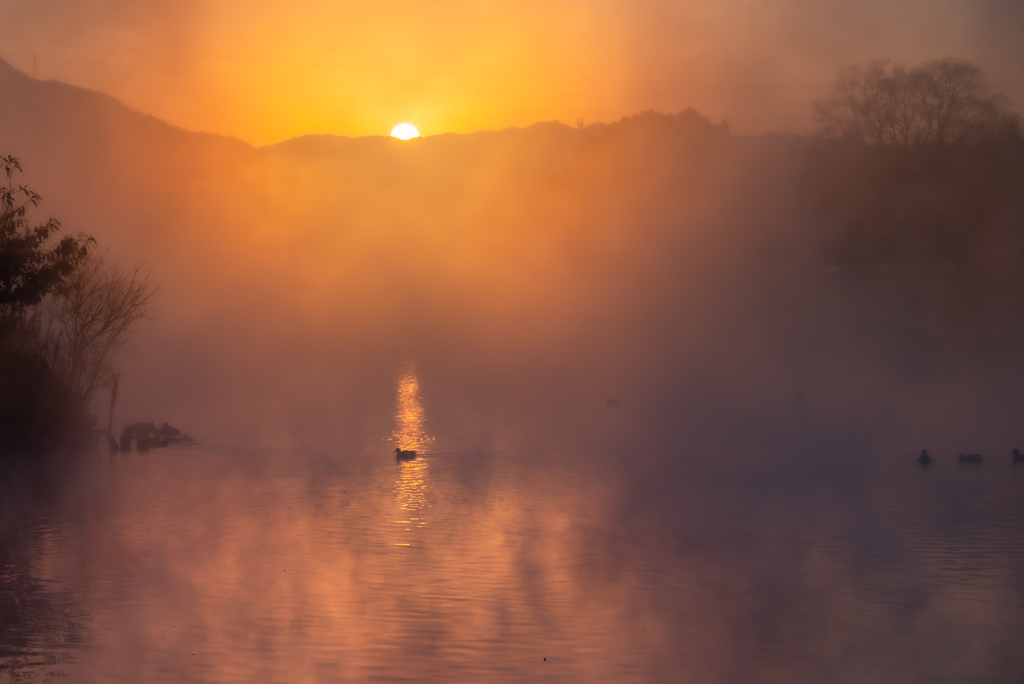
point(196, 564)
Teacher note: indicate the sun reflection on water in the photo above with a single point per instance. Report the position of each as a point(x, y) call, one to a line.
point(413, 479)
point(409, 433)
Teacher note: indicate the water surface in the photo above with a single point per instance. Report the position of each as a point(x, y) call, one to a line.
point(340, 564)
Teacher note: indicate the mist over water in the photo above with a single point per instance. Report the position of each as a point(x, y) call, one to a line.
point(697, 277)
point(343, 564)
point(666, 399)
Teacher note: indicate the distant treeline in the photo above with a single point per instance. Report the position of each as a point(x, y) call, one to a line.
point(919, 167)
point(64, 316)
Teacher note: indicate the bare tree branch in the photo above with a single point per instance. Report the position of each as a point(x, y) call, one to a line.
point(944, 102)
point(91, 316)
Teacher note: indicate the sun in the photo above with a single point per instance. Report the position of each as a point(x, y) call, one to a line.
point(404, 131)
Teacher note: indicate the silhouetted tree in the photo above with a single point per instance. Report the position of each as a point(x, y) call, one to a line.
point(934, 170)
point(29, 268)
point(35, 413)
point(941, 103)
point(63, 319)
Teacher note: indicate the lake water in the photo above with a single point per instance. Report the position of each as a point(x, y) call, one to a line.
point(341, 564)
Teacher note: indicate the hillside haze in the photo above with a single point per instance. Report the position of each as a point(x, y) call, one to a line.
point(688, 274)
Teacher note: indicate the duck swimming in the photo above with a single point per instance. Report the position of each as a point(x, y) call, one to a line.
point(924, 458)
point(970, 458)
point(404, 455)
point(1018, 457)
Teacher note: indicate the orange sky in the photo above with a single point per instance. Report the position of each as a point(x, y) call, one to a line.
point(267, 71)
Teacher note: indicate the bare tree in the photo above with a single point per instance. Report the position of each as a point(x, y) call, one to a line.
point(944, 102)
point(91, 315)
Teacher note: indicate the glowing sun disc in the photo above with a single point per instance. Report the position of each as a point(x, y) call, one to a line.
point(404, 132)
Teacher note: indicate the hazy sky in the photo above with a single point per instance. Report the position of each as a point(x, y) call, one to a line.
point(267, 71)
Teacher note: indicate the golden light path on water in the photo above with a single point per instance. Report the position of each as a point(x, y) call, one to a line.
point(413, 481)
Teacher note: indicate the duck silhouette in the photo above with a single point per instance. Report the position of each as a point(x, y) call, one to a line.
point(924, 458)
point(404, 455)
point(1018, 457)
point(970, 458)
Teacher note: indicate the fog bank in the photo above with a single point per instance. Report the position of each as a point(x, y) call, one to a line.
point(719, 289)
